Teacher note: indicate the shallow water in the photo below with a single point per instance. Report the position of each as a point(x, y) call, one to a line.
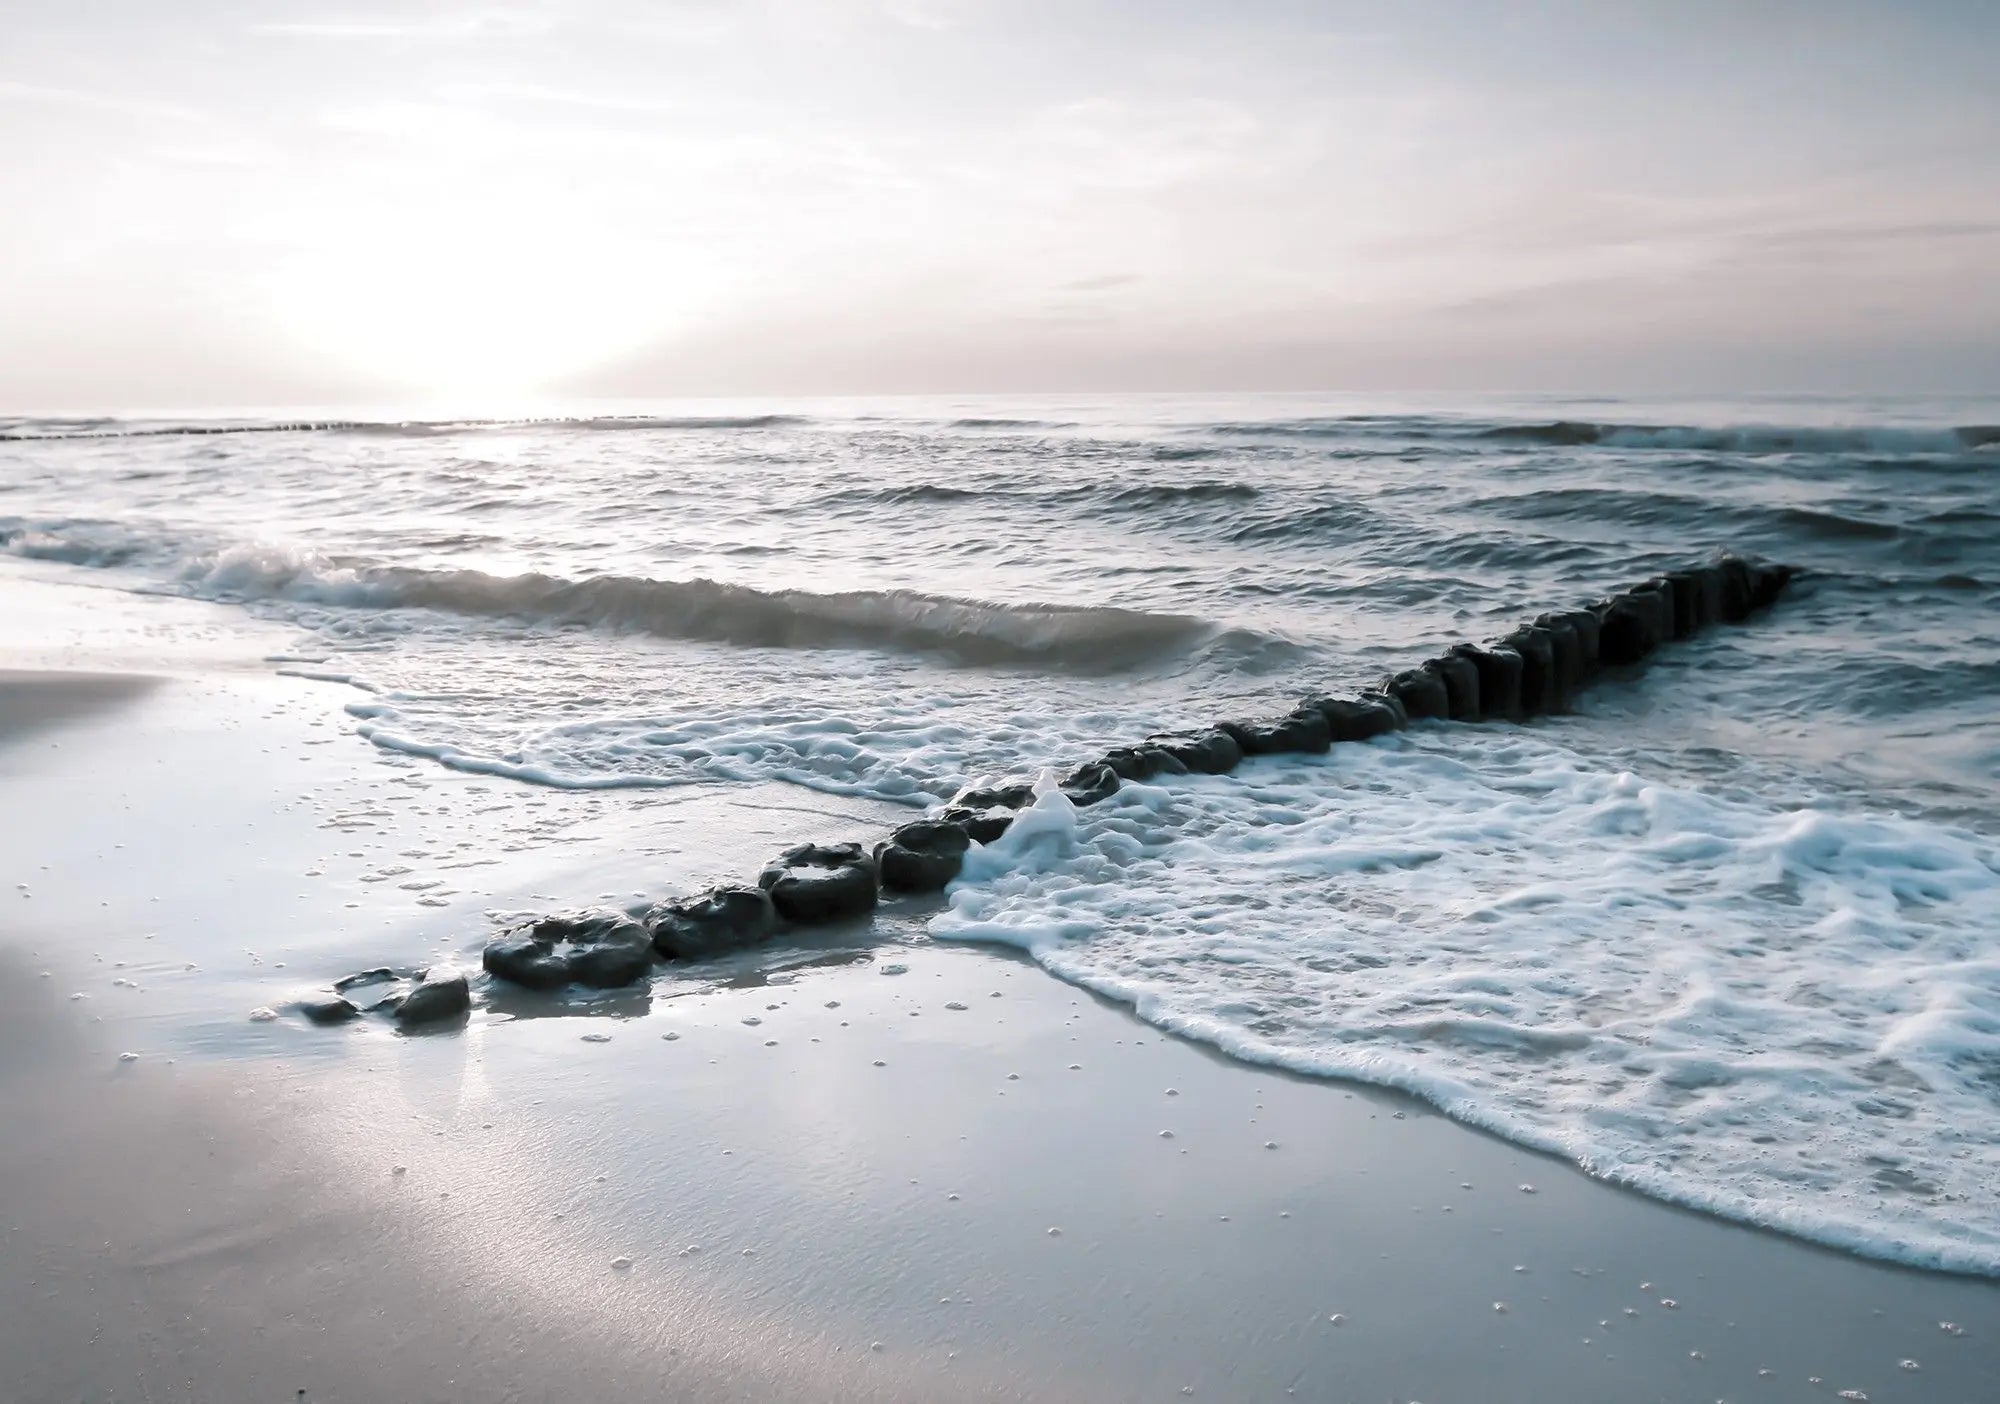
point(1725, 935)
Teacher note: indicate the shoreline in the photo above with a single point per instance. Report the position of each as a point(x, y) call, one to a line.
point(241, 1176)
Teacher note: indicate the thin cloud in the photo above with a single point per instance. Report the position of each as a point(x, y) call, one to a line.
point(1103, 282)
point(533, 93)
point(102, 102)
point(470, 24)
point(927, 14)
point(337, 29)
point(1865, 235)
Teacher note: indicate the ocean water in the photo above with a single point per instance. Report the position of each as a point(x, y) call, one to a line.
point(1728, 933)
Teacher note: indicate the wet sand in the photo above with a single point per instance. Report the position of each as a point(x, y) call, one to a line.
point(830, 1181)
point(32, 701)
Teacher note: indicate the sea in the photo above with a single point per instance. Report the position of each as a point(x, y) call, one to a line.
point(1727, 933)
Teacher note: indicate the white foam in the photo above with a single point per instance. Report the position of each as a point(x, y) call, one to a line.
point(1790, 1017)
point(915, 750)
point(534, 677)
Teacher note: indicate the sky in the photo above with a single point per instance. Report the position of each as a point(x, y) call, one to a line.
point(215, 203)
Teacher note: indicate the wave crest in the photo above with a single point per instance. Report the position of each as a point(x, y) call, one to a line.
point(1748, 438)
point(1081, 638)
point(1070, 638)
point(42, 430)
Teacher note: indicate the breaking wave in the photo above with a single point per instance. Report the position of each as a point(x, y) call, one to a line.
point(1677, 989)
point(1084, 638)
point(1090, 639)
point(1748, 438)
point(43, 430)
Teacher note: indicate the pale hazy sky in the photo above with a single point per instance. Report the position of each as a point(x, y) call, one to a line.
point(214, 203)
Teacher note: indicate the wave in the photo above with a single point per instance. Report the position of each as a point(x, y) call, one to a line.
point(50, 426)
point(1168, 494)
point(1391, 913)
point(1323, 522)
point(666, 422)
point(1080, 638)
point(1961, 516)
point(1747, 438)
point(1562, 432)
point(1622, 505)
point(966, 631)
point(1836, 526)
point(1317, 427)
point(905, 494)
point(1091, 639)
point(1116, 497)
point(977, 423)
point(45, 430)
point(1410, 430)
point(1662, 509)
point(75, 542)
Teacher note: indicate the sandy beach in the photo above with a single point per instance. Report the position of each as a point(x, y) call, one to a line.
point(914, 701)
point(865, 1166)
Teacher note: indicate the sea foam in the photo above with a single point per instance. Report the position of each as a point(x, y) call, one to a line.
point(1789, 1016)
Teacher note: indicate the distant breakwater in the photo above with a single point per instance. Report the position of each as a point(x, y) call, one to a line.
point(1538, 669)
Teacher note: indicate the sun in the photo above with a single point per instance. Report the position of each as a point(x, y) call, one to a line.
point(446, 305)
